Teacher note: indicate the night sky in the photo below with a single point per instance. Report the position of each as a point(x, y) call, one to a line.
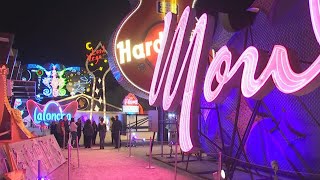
point(56, 31)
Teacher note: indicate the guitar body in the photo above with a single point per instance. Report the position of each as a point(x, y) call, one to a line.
point(136, 43)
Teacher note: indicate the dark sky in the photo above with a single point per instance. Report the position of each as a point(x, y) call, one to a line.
point(56, 31)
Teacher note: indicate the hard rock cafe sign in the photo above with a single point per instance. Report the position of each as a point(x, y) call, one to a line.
point(136, 47)
point(51, 111)
point(179, 71)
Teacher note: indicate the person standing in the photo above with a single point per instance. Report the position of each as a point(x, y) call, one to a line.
point(102, 127)
point(95, 131)
point(79, 129)
point(112, 133)
point(117, 128)
point(53, 129)
point(61, 133)
point(73, 130)
point(67, 130)
point(88, 133)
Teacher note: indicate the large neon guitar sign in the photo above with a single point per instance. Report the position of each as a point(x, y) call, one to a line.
point(190, 58)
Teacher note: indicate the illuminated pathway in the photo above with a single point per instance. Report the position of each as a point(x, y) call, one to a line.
point(110, 164)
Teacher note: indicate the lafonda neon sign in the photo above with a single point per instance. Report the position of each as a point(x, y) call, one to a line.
point(52, 111)
point(190, 58)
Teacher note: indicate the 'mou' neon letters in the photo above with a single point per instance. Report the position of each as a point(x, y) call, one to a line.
point(182, 63)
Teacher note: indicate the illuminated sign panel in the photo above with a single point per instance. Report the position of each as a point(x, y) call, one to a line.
point(56, 80)
point(137, 58)
point(130, 104)
point(130, 109)
point(52, 111)
point(187, 66)
point(135, 46)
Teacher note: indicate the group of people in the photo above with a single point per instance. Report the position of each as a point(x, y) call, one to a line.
point(63, 128)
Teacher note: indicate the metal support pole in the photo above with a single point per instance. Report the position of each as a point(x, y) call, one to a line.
point(130, 138)
point(78, 152)
point(39, 170)
point(64, 141)
point(176, 160)
point(150, 155)
point(119, 141)
point(220, 165)
point(69, 160)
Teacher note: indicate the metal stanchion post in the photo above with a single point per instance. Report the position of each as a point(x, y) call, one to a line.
point(69, 160)
point(39, 170)
point(130, 138)
point(64, 141)
point(176, 160)
point(217, 175)
point(78, 151)
point(119, 137)
point(150, 156)
point(220, 165)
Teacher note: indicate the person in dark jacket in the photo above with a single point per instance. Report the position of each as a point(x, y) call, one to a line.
point(53, 129)
point(95, 131)
point(88, 133)
point(117, 127)
point(112, 133)
point(79, 129)
point(102, 128)
point(67, 130)
point(60, 133)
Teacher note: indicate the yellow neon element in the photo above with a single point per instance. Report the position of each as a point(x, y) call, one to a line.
point(105, 61)
point(100, 68)
point(91, 64)
point(88, 47)
point(174, 6)
point(138, 51)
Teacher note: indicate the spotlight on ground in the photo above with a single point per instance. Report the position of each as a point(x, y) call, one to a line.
point(216, 175)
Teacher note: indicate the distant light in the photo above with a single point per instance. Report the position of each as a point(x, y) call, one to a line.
point(223, 174)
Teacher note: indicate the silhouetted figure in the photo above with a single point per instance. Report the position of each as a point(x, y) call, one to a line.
point(117, 127)
point(67, 130)
point(88, 133)
point(60, 133)
point(73, 130)
point(112, 132)
point(95, 131)
point(79, 129)
point(53, 129)
point(102, 128)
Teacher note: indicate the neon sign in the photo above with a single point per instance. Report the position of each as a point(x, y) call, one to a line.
point(96, 54)
point(135, 48)
point(88, 46)
point(130, 104)
point(139, 51)
point(52, 111)
point(190, 58)
point(53, 77)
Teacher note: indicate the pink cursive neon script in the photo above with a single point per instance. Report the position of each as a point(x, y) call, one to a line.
point(191, 61)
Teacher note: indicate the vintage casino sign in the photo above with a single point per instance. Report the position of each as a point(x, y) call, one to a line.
point(177, 80)
point(52, 111)
point(130, 104)
point(136, 44)
point(96, 54)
